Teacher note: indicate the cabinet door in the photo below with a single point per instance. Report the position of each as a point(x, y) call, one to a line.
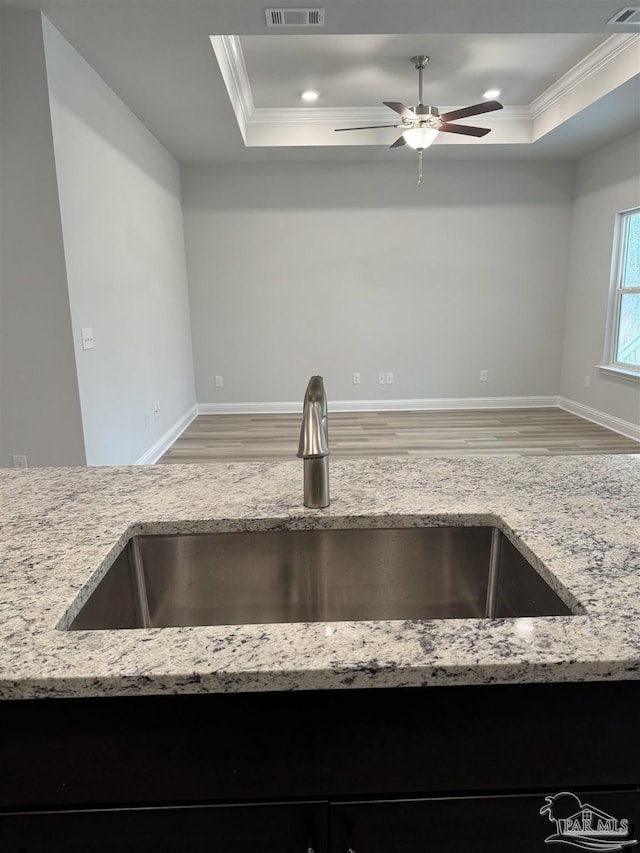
point(280, 828)
point(500, 824)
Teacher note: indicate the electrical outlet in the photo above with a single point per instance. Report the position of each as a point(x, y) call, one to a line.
point(19, 460)
point(219, 382)
point(389, 378)
point(382, 378)
point(587, 382)
point(156, 410)
point(356, 378)
point(484, 375)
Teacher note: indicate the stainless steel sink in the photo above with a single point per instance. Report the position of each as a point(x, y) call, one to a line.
point(317, 575)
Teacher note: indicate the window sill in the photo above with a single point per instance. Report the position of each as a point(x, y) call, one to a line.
point(620, 372)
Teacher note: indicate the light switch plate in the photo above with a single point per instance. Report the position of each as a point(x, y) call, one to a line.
point(87, 337)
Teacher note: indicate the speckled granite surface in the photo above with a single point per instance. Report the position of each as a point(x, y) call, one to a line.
point(62, 528)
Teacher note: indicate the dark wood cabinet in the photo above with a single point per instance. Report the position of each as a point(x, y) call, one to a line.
point(452, 769)
point(482, 824)
point(497, 824)
point(257, 828)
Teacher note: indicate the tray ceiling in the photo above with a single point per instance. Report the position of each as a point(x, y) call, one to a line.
point(569, 79)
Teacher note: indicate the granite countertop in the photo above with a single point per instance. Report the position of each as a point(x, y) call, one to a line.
point(578, 516)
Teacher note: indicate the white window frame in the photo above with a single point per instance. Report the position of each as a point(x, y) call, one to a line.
point(617, 290)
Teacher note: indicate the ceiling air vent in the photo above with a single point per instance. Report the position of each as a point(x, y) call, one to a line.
point(294, 17)
point(630, 16)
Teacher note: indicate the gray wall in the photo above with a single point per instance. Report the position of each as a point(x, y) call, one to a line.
point(39, 401)
point(124, 247)
point(92, 235)
point(297, 270)
point(607, 182)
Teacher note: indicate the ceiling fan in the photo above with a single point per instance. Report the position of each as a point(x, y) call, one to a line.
point(421, 124)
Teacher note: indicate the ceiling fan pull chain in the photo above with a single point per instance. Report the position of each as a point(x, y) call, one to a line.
point(420, 167)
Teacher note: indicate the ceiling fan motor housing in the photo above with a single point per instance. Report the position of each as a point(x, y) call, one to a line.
point(425, 110)
point(429, 116)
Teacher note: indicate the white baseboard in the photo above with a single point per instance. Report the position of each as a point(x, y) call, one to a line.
point(433, 404)
point(626, 428)
point(165, 441)
point(618, 425)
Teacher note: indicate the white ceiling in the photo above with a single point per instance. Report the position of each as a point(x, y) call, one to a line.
point(359, 70)
point(570, 82)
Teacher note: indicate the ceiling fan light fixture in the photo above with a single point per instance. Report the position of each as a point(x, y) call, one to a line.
point(420, 137)
point(310, 95)
point(492, 93)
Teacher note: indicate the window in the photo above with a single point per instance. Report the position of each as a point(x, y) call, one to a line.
point(625, 326)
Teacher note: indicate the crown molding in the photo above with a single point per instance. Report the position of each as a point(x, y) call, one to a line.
point(583, 70)
point(350, 115)
point(229, 53)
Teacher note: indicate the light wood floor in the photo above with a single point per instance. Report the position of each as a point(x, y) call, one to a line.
point(524, 432)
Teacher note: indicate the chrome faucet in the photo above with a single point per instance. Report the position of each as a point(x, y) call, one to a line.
point(314, 444)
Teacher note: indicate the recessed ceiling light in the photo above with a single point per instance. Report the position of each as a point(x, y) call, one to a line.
point(310, 95)
point(492, 93)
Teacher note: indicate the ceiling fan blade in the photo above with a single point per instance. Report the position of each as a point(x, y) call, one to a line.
point(399, 141)
point(403, 109)
point(370, 127)
point(466, 129)
point(475, 110)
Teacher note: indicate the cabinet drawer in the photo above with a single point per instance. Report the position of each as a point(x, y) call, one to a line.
point(260, 828)
point(500, 824)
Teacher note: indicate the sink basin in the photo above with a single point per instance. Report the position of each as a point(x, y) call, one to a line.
point(317, 575)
